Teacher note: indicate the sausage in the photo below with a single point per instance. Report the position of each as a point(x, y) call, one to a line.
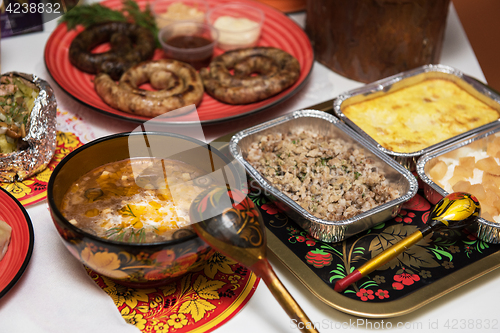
point(130, 44)
point(275, 71)
point(181, 84)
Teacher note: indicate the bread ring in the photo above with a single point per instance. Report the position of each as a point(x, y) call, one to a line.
point(130, 44)
point(182, 82)
point(276, 70)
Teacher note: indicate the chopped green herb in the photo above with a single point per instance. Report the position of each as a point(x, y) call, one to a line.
point(88, 15)
point(324, 160)
point(127, 211)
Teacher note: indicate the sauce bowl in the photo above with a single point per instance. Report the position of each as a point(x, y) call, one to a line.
point(231, 20)
point(189, 42)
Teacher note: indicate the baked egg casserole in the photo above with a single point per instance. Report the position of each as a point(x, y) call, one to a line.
point(421, 115)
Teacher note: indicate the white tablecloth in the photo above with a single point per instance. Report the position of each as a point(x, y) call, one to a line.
point(56, 295)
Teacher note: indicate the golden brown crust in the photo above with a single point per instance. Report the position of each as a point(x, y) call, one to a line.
point(276, 70)
point(130, 44)
point(181, 85)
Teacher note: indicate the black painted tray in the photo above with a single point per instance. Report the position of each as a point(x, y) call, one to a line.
point(433, 267)
point(430, 269)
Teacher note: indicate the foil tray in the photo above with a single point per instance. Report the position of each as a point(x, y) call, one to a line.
point(487, 231)
point(406, 79)
point(323, 123)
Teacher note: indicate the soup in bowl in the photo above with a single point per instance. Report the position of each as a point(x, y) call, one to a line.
point(121, 204)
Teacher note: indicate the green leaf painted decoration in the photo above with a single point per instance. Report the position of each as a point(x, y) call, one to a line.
point(416, 256)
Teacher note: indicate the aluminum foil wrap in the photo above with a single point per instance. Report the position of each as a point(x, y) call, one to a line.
point(40, 139)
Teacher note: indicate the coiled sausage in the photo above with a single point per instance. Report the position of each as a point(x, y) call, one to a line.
point(179, 83)
point(130, 44)
point(258, 73)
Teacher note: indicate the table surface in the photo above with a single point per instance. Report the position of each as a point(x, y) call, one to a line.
point(56, 295)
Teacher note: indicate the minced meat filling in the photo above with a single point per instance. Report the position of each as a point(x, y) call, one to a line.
point(331, 178)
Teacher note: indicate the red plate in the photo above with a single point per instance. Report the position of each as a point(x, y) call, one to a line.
point(18, 254)
point(278, 31)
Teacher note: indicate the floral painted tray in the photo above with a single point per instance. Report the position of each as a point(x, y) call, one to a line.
point(435, 266)
point(419, 275)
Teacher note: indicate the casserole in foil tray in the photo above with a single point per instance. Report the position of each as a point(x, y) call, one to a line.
point(325, 129)
point(414, 112)
point(468, 165)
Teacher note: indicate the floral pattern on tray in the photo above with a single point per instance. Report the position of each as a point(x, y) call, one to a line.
point(196, 302)
point(432, 258)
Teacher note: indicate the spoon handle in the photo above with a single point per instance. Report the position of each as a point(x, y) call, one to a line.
point(263, 269)
point(379, 260)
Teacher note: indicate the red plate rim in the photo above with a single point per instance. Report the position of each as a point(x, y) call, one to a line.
point(20, 249)
point(58, 66)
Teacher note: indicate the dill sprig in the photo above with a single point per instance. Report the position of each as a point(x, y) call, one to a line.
point(127, 211)
point(144, 18)
point(88, 15)
point(111, 233)
point(128, 235)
